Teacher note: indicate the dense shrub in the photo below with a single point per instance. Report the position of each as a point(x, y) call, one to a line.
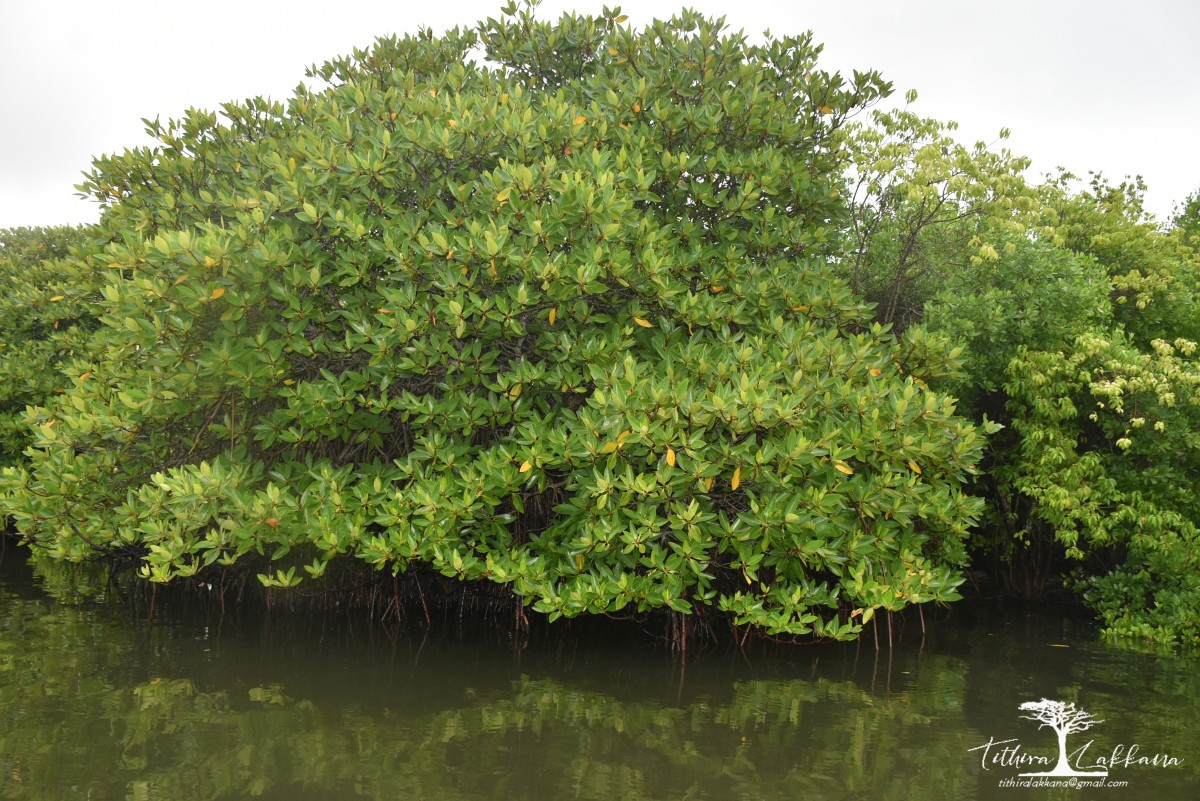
point(1078, 318)
point(560, 319)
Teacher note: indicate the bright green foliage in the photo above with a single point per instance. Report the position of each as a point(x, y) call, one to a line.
point(1101, 452)
point(1108, 424)
point(1109, 451)
point(1077, 316)
point(924, 208)
point(45, 317)
point(1156, 278)
point(564, 323)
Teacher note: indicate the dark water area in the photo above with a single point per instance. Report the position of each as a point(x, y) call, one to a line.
point(99, 702)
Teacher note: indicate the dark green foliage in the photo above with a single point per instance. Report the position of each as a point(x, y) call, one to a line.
point(1034, 296)
point(563, 322)
point(1186, 219)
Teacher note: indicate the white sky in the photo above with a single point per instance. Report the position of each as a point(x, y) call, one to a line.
point(1086, 84)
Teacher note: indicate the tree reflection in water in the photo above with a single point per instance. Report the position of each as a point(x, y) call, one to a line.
point(94, 706)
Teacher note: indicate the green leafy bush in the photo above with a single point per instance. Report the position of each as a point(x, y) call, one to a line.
point(1108, 454)
point(45, 318)
point(561, 320)
point(1077, 318)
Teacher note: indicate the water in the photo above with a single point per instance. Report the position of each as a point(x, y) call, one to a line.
point(99, 703)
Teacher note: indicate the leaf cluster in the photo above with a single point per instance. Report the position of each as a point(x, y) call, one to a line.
point(45, 320)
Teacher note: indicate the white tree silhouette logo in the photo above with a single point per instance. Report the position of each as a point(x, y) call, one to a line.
point(1064, 719)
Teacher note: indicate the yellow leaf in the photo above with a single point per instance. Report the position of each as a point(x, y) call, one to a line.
point(579, 561)
point(504, 97)
point(209, 261)
point(913, 466)
point(747, 577)
point(716, 288)
point(621, 18)
point(842, 467)
point(580, 120)
point(708, 482)
point(289, 381)
point(637, 108)
point(386, 311)
point(826, 110)
point(526, 466)
point(57, 298)
point(874, 371)
point(553, 315)
point(670, 456)
point(643, 323)
point(433, 92)
point(216, 293)
point(180, 280)
point(85, 375)
point(622, 437)
point(800, 308)
point(393, 115)
point(609, 447)
point(737, 478)
point(502, 195)
point(449, 255)
point(453, 123)
point(612, 51)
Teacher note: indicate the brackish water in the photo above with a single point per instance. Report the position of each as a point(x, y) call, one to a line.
point(99, 702)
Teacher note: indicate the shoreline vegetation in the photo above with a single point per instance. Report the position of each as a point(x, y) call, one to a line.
point(656, 323)
point(424, 603)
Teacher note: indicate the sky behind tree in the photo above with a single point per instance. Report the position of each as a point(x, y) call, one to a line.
point(1084, 84)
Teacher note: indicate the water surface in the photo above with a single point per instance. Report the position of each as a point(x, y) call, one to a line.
point(97, 702)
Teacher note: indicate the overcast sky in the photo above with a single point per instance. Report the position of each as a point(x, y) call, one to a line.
point(1085, 84)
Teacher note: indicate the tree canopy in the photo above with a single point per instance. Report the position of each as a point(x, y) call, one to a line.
point(560, 316)
point(1078, 318)
point(614, 320)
